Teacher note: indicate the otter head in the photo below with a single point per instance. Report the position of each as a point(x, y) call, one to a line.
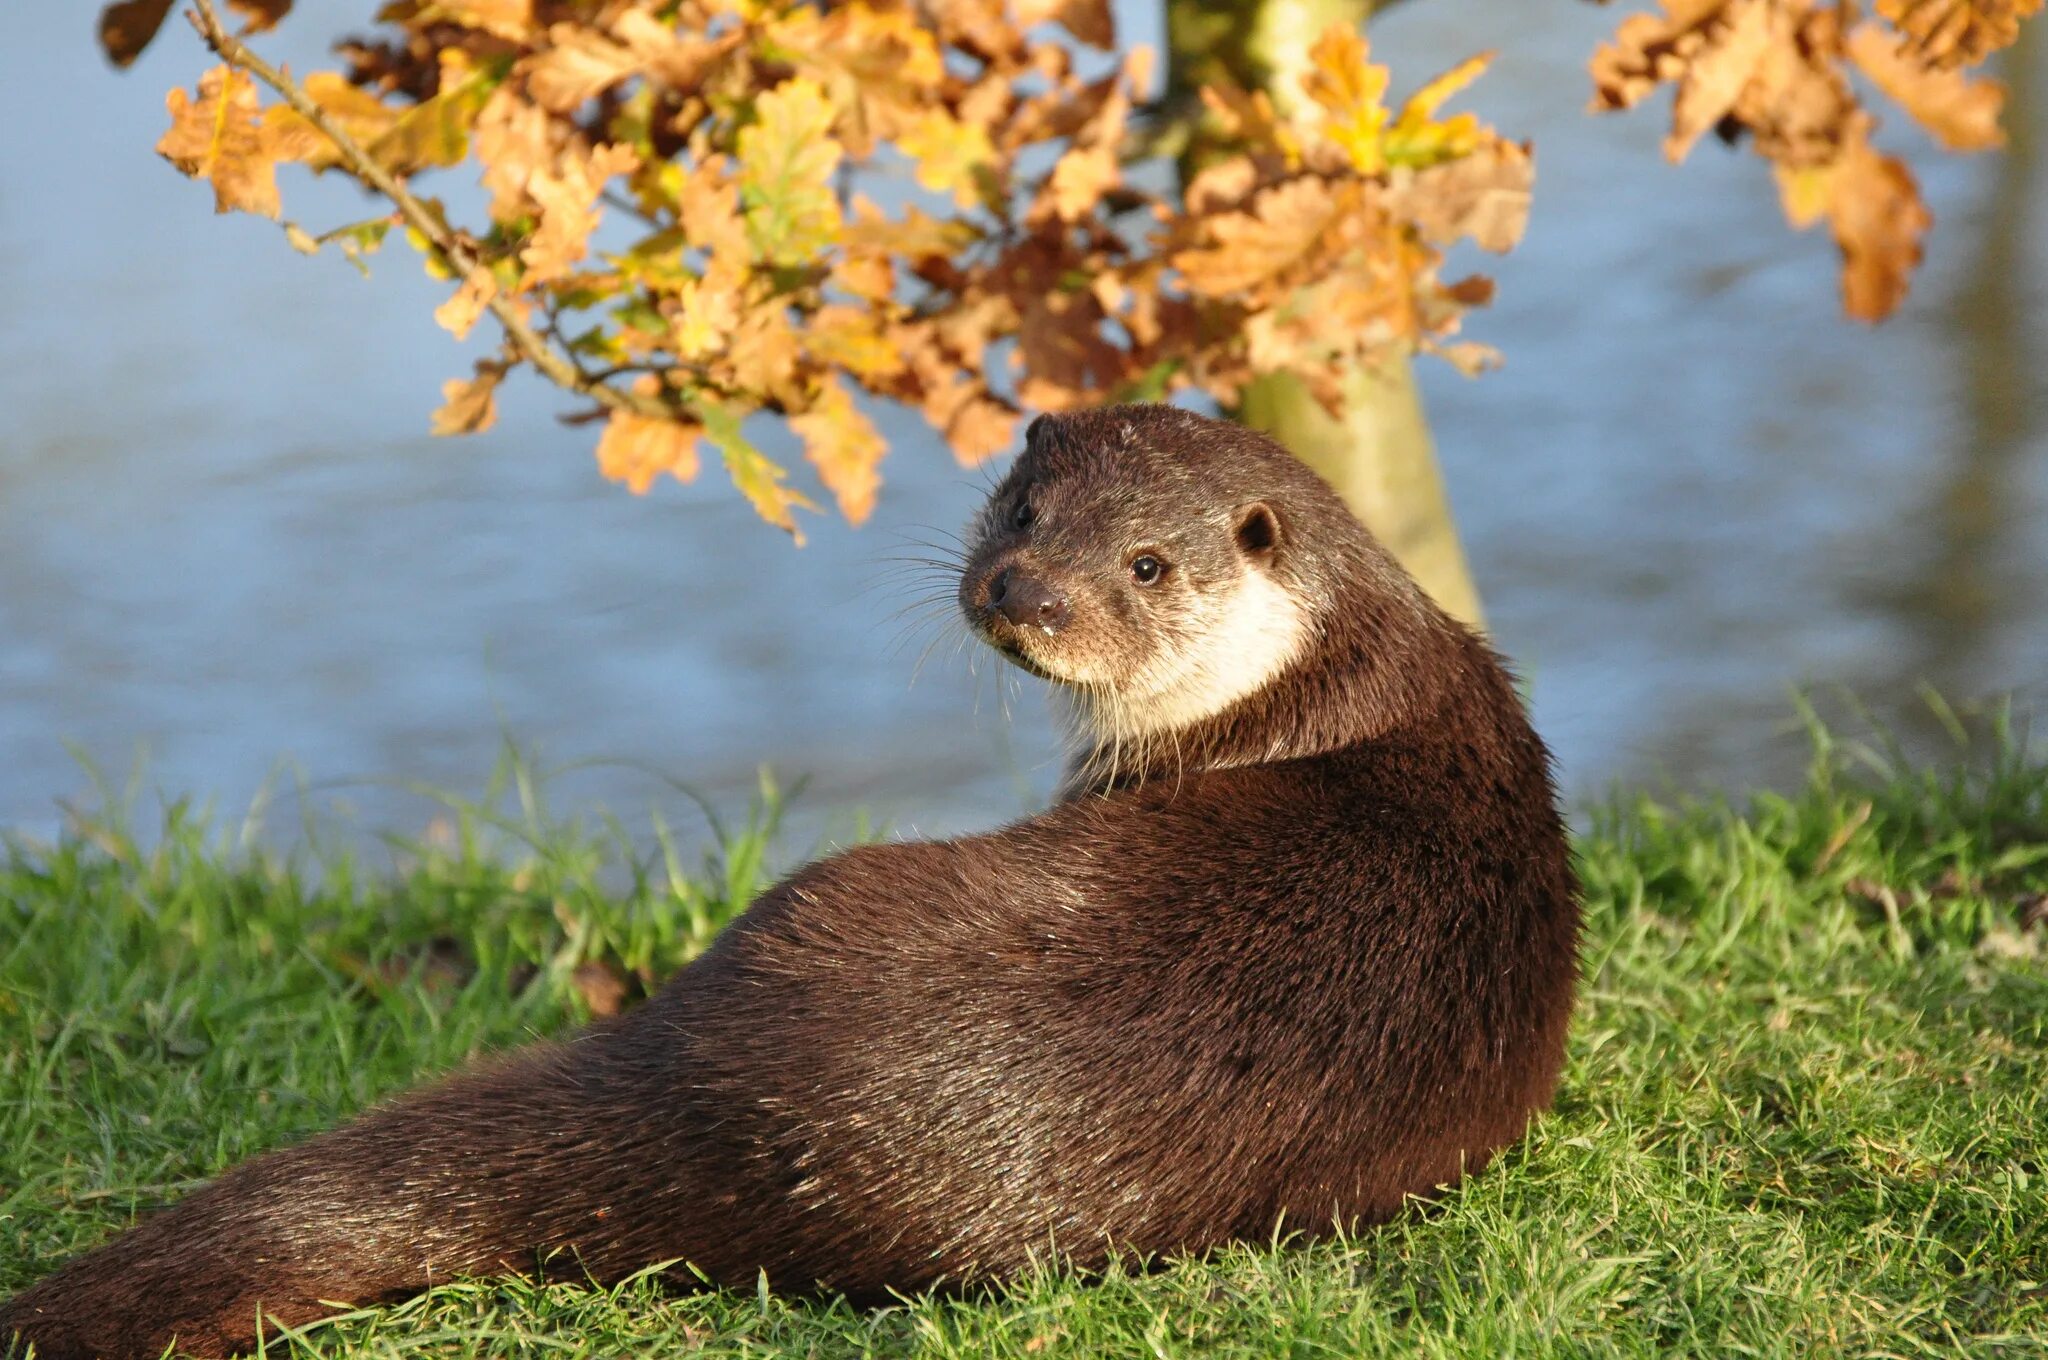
point(1150, 561)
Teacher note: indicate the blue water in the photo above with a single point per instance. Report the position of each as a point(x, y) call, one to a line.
point(226, 538)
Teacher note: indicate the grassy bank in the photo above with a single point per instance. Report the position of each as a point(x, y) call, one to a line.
point(1806, 1110)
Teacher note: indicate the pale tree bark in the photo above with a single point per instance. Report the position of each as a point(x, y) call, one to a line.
point(1379, 456)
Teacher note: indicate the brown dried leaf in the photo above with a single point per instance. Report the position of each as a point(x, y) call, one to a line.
point(219, 137)
point(1951, 33)
point(1088, 20)
point(1960, 113)
point(127, 28)
point(1878, 220)
point(260, 16)
point(1483, 196)
point(1284, 228)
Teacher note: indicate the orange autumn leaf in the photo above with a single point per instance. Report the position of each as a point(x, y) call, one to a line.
point(843, 444)
point(1284, 228)
point(567, 194)
point(470, 405)
point(636, 449)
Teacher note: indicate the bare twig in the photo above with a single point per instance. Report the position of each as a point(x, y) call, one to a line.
point(558, 367)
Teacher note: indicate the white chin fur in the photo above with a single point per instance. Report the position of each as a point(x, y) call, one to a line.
point(1244, 639)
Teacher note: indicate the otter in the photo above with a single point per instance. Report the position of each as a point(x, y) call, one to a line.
point(1296, 944)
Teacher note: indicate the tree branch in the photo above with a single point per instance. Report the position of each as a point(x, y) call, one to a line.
point(458, 257)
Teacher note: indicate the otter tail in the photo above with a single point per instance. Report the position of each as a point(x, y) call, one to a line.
point(488, 1171)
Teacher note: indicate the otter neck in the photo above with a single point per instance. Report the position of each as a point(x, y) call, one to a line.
point(1371, 664)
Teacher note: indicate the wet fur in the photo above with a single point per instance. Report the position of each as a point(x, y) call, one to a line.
point(1300, 958)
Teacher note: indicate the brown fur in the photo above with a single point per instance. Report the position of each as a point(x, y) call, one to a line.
point(1312, 956)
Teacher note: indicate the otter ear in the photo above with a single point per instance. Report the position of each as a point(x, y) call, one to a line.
point(1258, 531)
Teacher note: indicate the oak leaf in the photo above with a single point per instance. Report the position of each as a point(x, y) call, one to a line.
point(1718, 72)
point(128, 27)
point(1350, 89)
point(514, 137)
point(787, 157)
point(636, 449)
point(511, 20)
point(470, 405)
point(567, 195)
point(707, 311)
point(1951, 33)
point(459, 314)
point(1878, 220)
point(578, 64)
point(219, 137)
point(1483, 195)
point(1088, 20)
point(1286, 225)
point(843, 444)
point(756, 477)
point(981, 429)
point(953, 156)
point(260, 16)
point(1960, 113)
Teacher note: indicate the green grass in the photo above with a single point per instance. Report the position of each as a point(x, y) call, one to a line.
point(1806, 1111)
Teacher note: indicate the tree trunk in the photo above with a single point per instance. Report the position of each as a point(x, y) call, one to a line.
point(1379, 456)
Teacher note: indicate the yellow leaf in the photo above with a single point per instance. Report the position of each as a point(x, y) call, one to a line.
point(852, 338)
point(843, 444)
point(468, 406)
point(758, 479)
point(1803, 192)
point(219, 137)
point(1349, 89)
point(787, 157)
point(709, 311)
point(952, 156)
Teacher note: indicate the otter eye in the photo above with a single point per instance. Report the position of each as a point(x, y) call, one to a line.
point(1021, 517)
point(1147, 569)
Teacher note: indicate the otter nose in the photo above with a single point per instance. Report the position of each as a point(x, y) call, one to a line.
point(1027, 601)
